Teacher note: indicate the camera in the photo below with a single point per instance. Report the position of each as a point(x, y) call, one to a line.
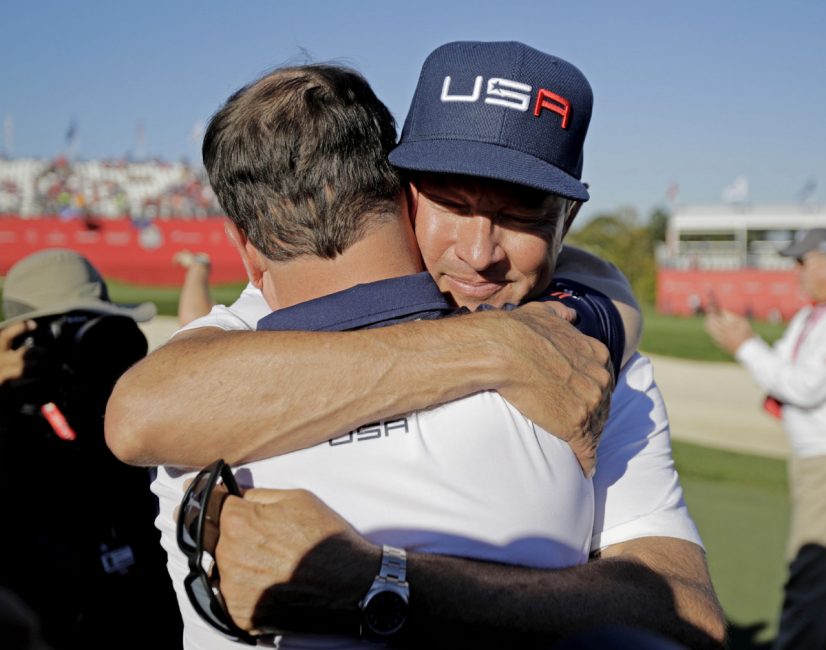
point(74, 359)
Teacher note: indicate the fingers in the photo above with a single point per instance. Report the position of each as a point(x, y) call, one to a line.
point(8, 334)
point(13, 362)
point(183, 258)
point(558, 309)
point(713, 324)
point(188, 259)
point(562, 379)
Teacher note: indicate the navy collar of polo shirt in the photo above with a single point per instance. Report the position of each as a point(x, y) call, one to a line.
point(376, 304)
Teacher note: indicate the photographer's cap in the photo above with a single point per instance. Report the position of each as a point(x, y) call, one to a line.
point(499, 110)
point(812, 240)
point(56, 281)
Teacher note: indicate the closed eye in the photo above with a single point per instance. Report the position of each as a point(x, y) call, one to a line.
point(449, 204)
point(521, 221)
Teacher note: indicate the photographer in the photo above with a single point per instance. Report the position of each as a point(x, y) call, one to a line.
point(78, 545)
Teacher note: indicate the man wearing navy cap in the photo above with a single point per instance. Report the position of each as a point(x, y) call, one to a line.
point(496, 243)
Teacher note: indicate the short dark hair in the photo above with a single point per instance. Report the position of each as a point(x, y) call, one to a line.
point(298, 160)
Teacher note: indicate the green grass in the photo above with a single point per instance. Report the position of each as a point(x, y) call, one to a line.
point(166, 298)
point(740, 505)
point(687, 339)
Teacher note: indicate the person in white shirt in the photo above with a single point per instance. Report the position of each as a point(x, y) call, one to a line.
point(793, 374)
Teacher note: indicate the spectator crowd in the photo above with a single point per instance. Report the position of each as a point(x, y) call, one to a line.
point(109, 189)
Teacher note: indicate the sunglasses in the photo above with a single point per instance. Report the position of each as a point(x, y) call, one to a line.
point(201, 582)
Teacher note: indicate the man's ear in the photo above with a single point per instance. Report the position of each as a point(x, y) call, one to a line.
point(411, 196)
point(251, 258)
point(572, 213)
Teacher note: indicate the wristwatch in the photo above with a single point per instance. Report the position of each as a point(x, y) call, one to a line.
point(384, 608)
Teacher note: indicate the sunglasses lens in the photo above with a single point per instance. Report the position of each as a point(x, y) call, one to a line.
point(205, 602)
point(189, 512)
point(205, 599)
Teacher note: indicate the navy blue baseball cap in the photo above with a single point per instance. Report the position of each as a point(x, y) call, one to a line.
point(499, 110)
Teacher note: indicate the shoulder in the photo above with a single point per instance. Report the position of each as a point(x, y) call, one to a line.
point(588, 269)
point(243, 314)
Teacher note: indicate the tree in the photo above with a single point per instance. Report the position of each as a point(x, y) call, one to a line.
point(620, 239)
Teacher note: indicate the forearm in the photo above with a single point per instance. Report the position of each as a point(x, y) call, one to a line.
point(250, 395)
point(195, 299)
point(487, 604)
point(498, 601)
point(287, 561)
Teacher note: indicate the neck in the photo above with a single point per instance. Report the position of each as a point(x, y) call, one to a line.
point(387, 251)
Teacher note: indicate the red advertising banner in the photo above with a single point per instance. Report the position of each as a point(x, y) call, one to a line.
point(123, 250)
point(766, 295)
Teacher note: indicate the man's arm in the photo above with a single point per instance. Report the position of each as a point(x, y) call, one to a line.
point(278, 548)
point(800, 382)
point(250, 395)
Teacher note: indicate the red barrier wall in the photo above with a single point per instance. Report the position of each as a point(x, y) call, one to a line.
point(123, 250)
point(766, 295)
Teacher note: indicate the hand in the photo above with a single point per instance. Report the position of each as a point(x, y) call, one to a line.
point(728, 330)
point(560, 378)
point(13, 362)
point(289, 562)
point(565, 313)
point(187, 259)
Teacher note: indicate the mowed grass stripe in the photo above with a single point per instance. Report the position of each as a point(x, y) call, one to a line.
point(740, 504)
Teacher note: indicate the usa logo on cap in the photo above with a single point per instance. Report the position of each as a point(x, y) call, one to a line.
point(499, 110)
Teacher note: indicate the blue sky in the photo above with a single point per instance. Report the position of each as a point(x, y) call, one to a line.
point(695, 93)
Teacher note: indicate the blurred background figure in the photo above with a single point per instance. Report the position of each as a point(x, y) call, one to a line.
point(195, 300)
point(78, 544)
point(793, 374)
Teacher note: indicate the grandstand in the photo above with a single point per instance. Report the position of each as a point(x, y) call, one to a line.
point(730, 251)
point(129, 218)
point(31, 188)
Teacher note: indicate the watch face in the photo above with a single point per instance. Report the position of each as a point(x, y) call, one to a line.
point(385, 612)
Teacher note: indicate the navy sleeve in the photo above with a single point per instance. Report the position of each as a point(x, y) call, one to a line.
point(596, 315)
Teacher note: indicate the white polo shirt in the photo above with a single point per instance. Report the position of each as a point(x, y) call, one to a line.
point(472, 478)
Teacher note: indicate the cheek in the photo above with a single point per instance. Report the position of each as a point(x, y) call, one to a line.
point(531, 255)
point(432, 235)
point(815, 280)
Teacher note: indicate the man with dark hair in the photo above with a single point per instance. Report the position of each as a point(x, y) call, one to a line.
point(319, 194)
point(505, 239)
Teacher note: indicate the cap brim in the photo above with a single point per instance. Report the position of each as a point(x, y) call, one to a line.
point(487, 161)
point(813, 241)
point(141, 312)
point(795, 249)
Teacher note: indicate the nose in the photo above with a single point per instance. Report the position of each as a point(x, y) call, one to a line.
point(478, 242)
